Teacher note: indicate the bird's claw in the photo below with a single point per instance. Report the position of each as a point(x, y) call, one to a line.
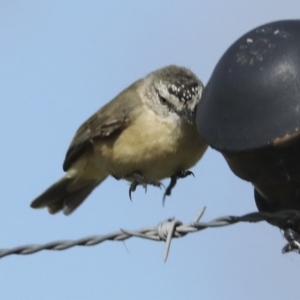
point(174, 178)
point(139, 179)
point(132, 188)
point(184, 173)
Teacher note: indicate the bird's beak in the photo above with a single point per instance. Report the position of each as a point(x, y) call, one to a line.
point(188, 115)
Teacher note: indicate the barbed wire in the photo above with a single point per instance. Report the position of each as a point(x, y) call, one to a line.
point(286, 220)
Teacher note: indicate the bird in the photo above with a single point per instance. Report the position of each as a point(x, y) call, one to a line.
point(145, 134)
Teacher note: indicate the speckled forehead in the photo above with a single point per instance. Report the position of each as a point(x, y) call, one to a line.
point(185, 91)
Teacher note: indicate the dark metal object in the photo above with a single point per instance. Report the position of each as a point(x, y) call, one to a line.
point(293, 239)
point(250, 111)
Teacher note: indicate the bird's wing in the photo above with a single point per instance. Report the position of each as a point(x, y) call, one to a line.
point(109, 120)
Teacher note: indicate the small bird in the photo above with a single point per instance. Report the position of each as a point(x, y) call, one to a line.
point(145, 134)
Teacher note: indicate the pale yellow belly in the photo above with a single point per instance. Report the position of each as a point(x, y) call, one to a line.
point(156, 149)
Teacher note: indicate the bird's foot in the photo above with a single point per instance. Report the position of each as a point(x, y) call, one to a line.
point(116, 177)
point(139, 179)
point(184, 173)
point(174, 178)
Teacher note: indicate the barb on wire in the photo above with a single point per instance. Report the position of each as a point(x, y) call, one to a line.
point(287, 220)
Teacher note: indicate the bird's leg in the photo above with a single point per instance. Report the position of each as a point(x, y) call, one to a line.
point(132, 188)
point(179, 174)
point(139, 179)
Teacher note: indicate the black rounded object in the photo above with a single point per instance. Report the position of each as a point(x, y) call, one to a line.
point(250, 112)
point(252, 99)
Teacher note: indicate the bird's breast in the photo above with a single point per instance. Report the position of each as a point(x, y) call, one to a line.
point(155, 147)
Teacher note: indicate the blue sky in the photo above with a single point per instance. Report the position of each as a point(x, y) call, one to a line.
point(62, 60)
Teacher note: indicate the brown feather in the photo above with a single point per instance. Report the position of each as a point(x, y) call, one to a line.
point(59, 197)
point(111, 118)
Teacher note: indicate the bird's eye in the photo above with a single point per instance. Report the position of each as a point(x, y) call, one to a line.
point(162, 100)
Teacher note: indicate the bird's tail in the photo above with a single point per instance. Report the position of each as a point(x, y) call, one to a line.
point(66, 194)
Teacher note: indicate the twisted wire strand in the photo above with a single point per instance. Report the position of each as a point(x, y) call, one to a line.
point(287, 220)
